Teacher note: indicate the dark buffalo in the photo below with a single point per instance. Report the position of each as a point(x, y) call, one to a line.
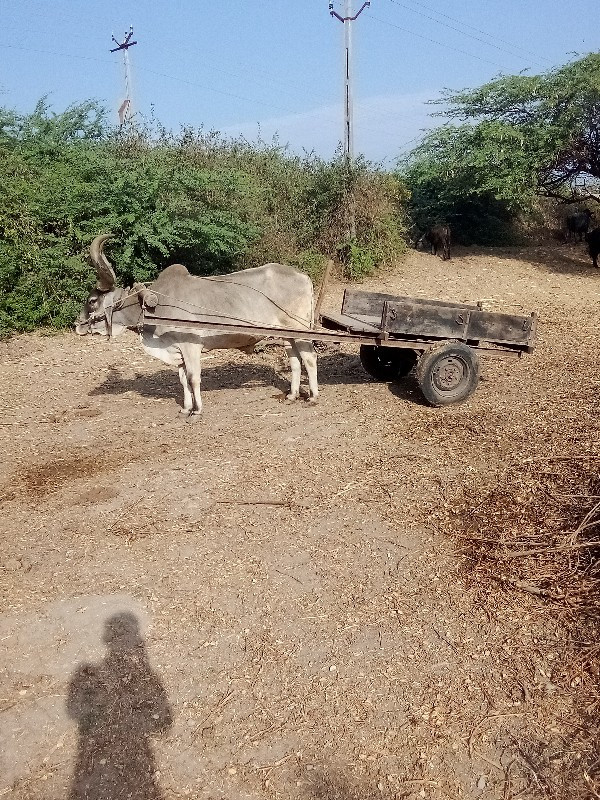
point(593, 240)
point(438, 238)
point(578, 223)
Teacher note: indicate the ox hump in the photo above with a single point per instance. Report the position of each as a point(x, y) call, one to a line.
point(278, 272)
point(176, 270)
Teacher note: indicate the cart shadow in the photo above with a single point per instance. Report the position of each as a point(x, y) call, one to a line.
point(408, 389)
point(334, 369)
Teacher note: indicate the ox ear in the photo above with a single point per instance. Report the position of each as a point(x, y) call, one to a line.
point(106, 274)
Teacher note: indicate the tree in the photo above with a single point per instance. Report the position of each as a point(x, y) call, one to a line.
point(519, 137)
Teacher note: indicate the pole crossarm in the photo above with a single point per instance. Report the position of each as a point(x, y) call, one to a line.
point(334, 13)
point(125, 44)
point(124, 110)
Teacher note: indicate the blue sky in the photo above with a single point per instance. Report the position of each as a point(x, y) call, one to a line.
point(250, 67)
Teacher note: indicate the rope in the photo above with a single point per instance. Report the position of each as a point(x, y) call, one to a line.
point(118, 303)
point(218, 279)
point(96, 316)
point(211, 312)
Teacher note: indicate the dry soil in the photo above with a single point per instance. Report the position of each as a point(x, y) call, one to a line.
point(266, 604)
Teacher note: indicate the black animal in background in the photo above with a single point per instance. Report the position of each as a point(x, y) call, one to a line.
point(593, 240)
point(439, 238)
point(578, 223)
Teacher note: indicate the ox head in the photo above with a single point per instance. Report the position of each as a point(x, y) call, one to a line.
point(97, 313)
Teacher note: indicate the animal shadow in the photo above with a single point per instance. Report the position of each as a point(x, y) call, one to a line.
point(165, 384)
point(334, 368)
point(119, 705)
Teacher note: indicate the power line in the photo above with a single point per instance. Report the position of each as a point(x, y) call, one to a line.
point(219, 91)
point(54, 53)
point(538, 57)
point(435, 41)
point(154, 72)
point(411, 141)
point(270, 78)
point(371, 110)
point(249, 76)
point(458, 30)
point(377, 131)
point(173, 78)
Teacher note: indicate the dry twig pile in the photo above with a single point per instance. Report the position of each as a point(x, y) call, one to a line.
point(537, 531)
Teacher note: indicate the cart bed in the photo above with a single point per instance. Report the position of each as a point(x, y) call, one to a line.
point(352, 324)
point(393, 317)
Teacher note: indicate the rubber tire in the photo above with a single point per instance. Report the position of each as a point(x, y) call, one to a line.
point(387, 363)
point(459, 357)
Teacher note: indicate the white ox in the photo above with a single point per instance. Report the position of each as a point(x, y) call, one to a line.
point(274, 296)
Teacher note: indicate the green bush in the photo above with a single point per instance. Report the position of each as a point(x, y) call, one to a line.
point(212, 204)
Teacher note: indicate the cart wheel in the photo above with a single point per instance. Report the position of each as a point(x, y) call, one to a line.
point(448, 373)
point(387, 363)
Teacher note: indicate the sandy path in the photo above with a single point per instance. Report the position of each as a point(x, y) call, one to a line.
point(290, 621)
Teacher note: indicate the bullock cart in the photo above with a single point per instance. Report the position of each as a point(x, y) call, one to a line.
point(440, 340)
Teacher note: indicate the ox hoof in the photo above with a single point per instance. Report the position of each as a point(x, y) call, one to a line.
point(195, 416)
point(185, 411)
point(312, 401)
point(291, 396)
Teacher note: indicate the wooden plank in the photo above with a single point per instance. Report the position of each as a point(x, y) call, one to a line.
point(407, 318)
point(490, 326)
point(323, 288)
point(351, 323)
point(315, 334)
point(371, 303)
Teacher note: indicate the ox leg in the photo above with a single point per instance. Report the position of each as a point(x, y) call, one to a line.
point(188, 402)
point(309, 359)
point(294, 359)
point(195, 384)
point(192, 364)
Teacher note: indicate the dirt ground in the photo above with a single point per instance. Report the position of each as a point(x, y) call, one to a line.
point(266, 604)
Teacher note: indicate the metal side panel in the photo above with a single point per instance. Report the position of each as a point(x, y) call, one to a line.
point(371, 303)
point(490, 326)
point(426, 320)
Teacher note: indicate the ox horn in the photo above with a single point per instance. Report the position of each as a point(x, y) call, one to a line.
point(105, 272)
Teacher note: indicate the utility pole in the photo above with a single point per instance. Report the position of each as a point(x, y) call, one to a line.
point(125, 107)
point(347, 21)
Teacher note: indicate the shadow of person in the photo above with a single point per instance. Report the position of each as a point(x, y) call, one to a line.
point(119, 704)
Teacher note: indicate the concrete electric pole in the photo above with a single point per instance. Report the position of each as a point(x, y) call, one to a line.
point(125, 107)
point(347, 20)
